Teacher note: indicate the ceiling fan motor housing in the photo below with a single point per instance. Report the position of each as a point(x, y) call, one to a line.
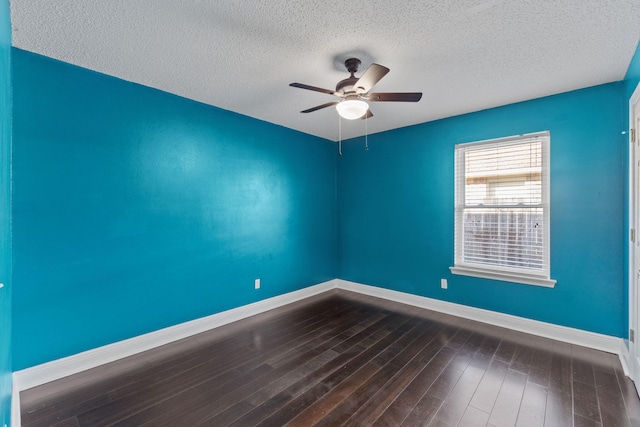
point(347, 85)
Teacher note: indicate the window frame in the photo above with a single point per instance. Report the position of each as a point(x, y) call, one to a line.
point(503, 273)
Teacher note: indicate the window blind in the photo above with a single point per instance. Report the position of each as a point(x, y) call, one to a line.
point(502, 205)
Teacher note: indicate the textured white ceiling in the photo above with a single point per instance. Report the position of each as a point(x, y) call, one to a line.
point(464, 55)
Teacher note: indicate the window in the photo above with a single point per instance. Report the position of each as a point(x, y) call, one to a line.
point(502, 209)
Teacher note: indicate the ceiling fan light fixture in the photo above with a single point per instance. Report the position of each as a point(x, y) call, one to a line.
point(352, 109)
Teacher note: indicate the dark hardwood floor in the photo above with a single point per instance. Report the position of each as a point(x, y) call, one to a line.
point(341, 359)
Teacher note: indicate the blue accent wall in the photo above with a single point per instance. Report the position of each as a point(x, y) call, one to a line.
point(395, 209)
point(136, 210)
point(5, 213)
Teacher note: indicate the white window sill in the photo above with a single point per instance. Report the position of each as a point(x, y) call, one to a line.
point(503, 276)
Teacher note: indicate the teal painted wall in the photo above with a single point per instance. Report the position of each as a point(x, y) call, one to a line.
point(136, 210)
point(5, 213)
point(395, 209)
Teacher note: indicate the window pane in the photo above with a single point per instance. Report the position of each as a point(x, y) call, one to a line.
point(511, 237)
point(504, 175)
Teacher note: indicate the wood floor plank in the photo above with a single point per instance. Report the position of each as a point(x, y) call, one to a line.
point(559, 411)
point(629, 396)
point(401, 407)
point(69, 422)
point(489, 387)
point(540, 370)
point(585, 401)
point(459, 338)
point(581, 364)
point(423, 412)
point(474, 417)
point(522, 358)
point(283, 406)
point(361, 323)
point(346, 359)
point(610, 400)
point(315, 412)
point(533, 406)
point(580, 421)
point(341, 383)
point(405, 374)
point(606, 381)
point(64, 412)
point(456, 403)
point(396, 355)
point(506, 349)
point(279, 394)
point(505, 411)
point(446, 381)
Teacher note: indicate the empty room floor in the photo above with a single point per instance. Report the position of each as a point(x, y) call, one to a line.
point(346, 359)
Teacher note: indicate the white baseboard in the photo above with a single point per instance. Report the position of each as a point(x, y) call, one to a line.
point(623, 354)
point(50, 371)
point(15, 406)
point(548, 330)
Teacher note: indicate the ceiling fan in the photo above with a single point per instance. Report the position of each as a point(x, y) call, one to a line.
point(355, 93)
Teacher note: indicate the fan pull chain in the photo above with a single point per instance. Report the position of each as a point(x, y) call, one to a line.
point(366, 133)
point(339, 135)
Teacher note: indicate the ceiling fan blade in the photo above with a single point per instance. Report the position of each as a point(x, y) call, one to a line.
point(394, 97)
point(317, 89)
point(370, 77)
point(367, 115)
point(319, 107)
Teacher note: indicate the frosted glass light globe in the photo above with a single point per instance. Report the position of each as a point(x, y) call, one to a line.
point(352, 109)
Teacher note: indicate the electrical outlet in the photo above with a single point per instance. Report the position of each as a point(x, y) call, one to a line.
point(256, 284)
point(444, 284)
